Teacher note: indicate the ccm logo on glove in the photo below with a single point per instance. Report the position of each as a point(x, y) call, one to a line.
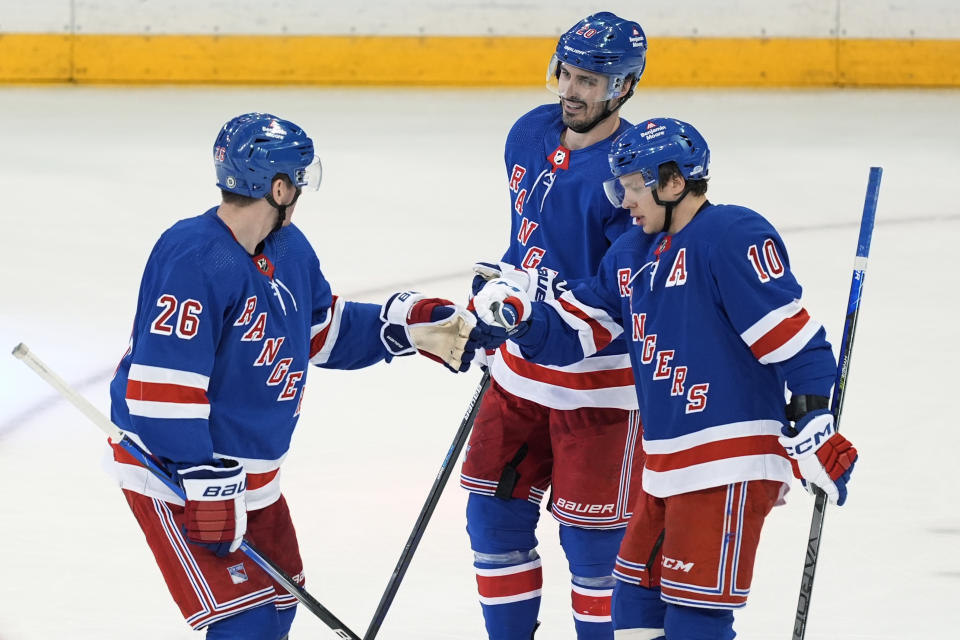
point(812, 442)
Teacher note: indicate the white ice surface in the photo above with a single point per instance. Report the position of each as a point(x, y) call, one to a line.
point(414, 192)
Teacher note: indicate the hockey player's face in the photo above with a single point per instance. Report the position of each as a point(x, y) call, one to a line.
point(582, 96)
point(638, 200)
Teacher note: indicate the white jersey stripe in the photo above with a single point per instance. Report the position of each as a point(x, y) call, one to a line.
point(587, 365)
point(334, 316)
point(792, 346)
point(138, 479)
point(151, 409)
point(713, 434)
point(584, 332)
point(163, 375)
point(588, 339)
point(763, 326)
point(662, 484)
point(559, 397)
point(254, 465)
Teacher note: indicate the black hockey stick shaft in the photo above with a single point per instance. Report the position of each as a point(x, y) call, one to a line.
point(428, 507)
point(839, 392)
point(117, 437)
point(312, 604)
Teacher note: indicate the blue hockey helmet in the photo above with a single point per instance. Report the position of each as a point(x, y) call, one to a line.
point(254, 148)
point(602, 43)
point(644, 147)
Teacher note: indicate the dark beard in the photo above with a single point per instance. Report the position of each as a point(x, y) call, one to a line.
point(585, 126)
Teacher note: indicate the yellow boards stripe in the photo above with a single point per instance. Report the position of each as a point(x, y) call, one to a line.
point(31, 57)
point(464, 60)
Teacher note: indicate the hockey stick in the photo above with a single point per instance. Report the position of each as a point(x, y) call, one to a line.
point(117, 437)
point(427, 511)
point(839, 391)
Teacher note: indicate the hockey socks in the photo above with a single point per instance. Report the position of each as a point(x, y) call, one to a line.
point(509, 577)
point(259, 623)
point(591, 554)
point(638, 613)
point(590, 598)
point(695, 623)
point(509, 585)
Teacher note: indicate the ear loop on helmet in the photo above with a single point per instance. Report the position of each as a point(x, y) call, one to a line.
point(282, 208)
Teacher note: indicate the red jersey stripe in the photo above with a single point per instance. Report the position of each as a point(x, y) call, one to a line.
point(712, 451)
point(780, 334)
point(318, 340)
point(254, 480)
point(583, 381)
point(258, 480)
point(163, 392)
point(316, 344)
point(601, 336)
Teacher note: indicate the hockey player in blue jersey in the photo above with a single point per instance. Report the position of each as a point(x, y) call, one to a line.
point(716, 330)
point(232, 308)
point(571, 431)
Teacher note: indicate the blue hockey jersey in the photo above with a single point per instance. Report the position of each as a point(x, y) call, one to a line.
point(217, 361)
point(716, 330)
point(561, 220)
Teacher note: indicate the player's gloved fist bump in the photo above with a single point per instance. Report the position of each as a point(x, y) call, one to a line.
point(483, 273)
point(503, 311)
point(435, 327)
point(487, 271)
point(820, 456)
point(215, 509)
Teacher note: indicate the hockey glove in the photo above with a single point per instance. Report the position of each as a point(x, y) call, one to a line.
point(487, 271)
point(503, 312)
point(435, 327)
point(483, 273)
point(215, 509)
point(820, 456)
point(539, 283)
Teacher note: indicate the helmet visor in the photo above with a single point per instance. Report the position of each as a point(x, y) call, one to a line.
point(617, 193)
point(568, 81)
point(308, 178)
